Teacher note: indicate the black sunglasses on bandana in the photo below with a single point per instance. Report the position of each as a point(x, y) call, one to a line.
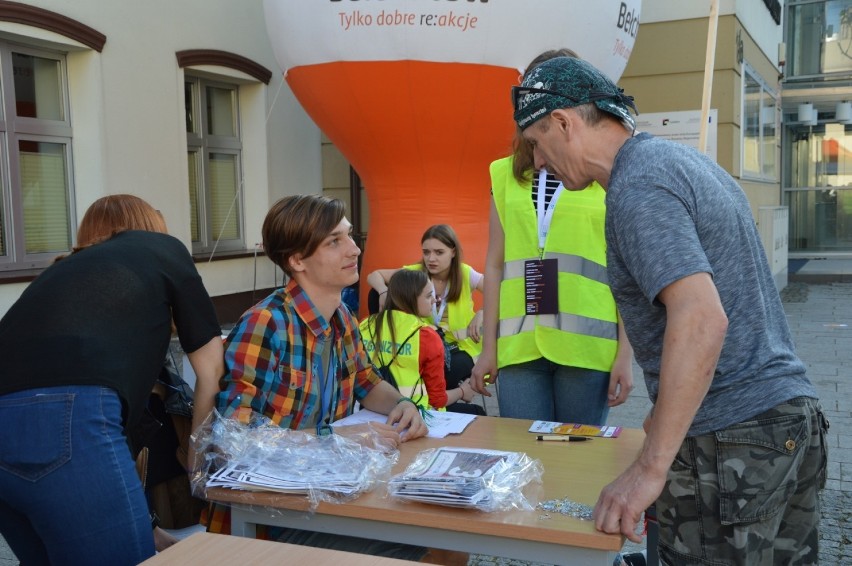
point(519, 92)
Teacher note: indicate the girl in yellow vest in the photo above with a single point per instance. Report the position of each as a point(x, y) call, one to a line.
point(551, 328)
point(408, 352)
point(453, 313)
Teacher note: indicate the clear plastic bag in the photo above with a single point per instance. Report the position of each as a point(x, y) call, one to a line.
point(261, 456)
point(488, 480)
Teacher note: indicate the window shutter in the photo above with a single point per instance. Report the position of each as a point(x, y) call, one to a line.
point(44, 193)
point(223, 193)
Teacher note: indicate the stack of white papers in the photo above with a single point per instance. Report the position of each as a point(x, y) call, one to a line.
point(331, 467)
point(266, 478)
point(440, 423)
point(459, 477)
point(305, 469)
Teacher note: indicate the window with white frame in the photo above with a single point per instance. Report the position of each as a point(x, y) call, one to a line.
point(214, 151)
point(759, 128)
point(36, 212)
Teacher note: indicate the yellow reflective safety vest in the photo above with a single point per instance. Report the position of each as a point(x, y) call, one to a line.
point(405, 367)
point(584, 333)
point(459, 314)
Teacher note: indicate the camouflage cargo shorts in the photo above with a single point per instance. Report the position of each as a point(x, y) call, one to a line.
point(747, 494)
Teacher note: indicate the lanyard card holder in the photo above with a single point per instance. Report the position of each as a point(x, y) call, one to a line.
point(541, 286)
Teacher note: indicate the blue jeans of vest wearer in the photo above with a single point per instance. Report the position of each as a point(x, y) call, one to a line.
point(542, 390)
point(69, 492)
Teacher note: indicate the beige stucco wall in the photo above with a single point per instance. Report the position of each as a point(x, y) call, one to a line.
point(335, 172)
point(335, 181)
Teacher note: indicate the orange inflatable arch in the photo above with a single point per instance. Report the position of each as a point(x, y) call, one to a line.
point(415, 94)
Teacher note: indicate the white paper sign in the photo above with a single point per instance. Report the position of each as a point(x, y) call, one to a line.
point(683, 127)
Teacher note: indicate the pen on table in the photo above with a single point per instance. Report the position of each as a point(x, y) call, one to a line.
point(561, 438)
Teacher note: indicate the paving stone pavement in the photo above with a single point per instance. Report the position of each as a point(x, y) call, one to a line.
point(820, 318)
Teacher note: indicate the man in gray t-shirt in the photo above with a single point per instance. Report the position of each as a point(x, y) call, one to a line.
point(735, 441)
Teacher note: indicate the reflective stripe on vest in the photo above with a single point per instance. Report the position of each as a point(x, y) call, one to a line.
point(567, 264)
point(562, 321)
point(584, 333)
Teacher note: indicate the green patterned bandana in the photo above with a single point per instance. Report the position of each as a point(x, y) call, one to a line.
point(565, 82)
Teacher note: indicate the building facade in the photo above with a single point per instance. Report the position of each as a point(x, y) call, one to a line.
point(180, 103)
point(782, 91)
point(817, 136)
point(665, 74)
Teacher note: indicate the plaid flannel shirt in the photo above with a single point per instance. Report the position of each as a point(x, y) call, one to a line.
point(273, 356)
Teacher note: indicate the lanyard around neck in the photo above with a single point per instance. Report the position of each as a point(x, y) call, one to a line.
point(326, 387)
point(438, 314)
point(544, 213)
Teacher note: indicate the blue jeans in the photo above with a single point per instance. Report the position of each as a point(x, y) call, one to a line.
point(545, 391)
point(69, 492)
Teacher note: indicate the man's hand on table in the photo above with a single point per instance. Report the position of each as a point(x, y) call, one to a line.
point(405, 417)
point(622, 502)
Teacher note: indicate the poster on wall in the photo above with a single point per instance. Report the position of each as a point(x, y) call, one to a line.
point(683, 127)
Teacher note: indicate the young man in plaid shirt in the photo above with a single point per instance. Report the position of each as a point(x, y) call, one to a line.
point(297, 357)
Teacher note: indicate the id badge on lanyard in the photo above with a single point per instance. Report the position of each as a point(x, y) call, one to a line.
point(326, 383)
point(438, 313)
point(541, 276)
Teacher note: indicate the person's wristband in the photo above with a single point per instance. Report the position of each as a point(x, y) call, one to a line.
point(401, 399)
point(383, 292)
